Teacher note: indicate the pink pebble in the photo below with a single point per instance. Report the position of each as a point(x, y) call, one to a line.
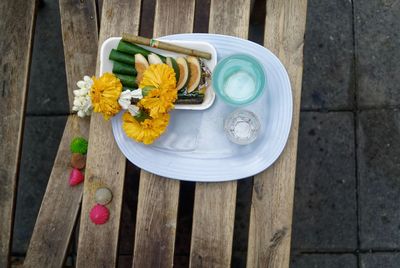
point(75, 177)
point(99, 214)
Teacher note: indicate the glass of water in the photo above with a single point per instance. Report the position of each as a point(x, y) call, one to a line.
point(239, 79)
point(242, 127)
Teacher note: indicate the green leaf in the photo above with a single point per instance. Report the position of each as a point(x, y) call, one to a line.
point(142, 116)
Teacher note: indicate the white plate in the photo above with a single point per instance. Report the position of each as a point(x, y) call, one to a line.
point(112, 42)
point(195, 148)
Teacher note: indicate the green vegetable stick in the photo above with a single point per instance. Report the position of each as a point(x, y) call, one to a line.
point(127, 80)
point(133, 49)
point(116, 55)
point(122, 68)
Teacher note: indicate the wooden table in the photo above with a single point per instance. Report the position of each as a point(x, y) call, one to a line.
point(158, 198)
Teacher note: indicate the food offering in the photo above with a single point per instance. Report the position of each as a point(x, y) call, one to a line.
point(144, 86)
point(191, 75)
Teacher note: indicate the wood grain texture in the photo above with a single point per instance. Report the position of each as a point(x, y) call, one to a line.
point(80, 36)
point(230, 17)
point(214, 206)
point(97, 245)
point(60, 205)
point(16, 29)
point(173, 16)
point(212, 230)
point(156, 221)
point(272, 201)
point(158, 197)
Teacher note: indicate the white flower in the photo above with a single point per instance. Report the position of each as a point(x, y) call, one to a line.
point(126, 97)
point(81, 114)
point(137, 93)
point(86, 83)
point(133, 110)
point(125, 100)
point(82, 101)
point(87, 105)
point(81, 92)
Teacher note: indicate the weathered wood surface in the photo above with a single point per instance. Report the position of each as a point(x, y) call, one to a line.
point(156, 221)
point(80, 36)
point(213, 218)
point(214, 206)
point(61, 203)
point(173, 16)
point(272, 201)
point(97, 246)
point(16, 29)
point(158, 197)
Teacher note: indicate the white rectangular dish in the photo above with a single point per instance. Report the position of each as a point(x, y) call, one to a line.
point(106, 65)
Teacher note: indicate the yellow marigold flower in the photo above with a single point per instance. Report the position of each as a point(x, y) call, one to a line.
point(146, 131)
point(161, 99)
point(104, 94)
point(159, 76)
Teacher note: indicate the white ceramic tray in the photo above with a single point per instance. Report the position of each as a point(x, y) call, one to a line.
point(195, 148)
point(106, 65)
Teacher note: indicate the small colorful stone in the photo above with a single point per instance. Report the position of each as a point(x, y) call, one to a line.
point(103, 196)
point(79, 145)
point(99, 214)
point(78, 161)
point(75, 177)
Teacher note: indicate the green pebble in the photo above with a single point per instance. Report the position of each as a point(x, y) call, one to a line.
point(79, 145)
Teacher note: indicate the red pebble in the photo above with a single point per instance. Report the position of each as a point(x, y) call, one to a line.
point(75, 177)
point(99, 214)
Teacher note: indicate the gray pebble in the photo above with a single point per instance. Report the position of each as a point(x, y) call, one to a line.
point(103, 196)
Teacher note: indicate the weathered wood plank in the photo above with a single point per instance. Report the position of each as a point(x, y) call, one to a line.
point(230, 17)
point(156, 221)
point(158, 197)
point(214, 206)
point(16, 29)
point(61, 203)
point(272, 201)
point(173, 16)
point(80, 36)
point(97, 246)
point(213, 218)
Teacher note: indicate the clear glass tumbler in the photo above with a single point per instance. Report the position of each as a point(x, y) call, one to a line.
point(242, 127)
point(239, 79)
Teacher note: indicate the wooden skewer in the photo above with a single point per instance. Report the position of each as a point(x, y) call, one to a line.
point(163, 45)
